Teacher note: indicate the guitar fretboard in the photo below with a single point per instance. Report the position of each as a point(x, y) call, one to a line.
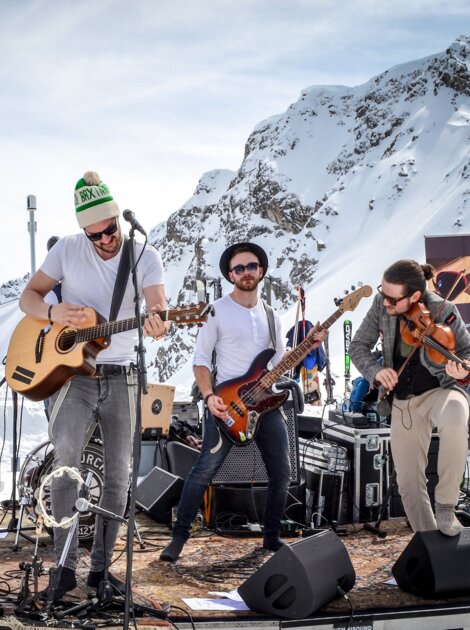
point(297, 354)
point(110, 328)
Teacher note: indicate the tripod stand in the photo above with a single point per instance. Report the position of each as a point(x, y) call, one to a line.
point(15, 523)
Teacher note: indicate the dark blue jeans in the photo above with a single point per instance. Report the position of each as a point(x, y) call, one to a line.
point(273, 443)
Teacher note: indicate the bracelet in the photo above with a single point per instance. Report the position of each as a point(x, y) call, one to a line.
point(207, 397)
point(49, 313)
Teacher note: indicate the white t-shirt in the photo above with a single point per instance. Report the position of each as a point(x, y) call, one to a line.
point(89, 280)
point(238, 334)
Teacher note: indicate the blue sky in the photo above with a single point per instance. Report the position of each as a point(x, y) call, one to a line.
point(152, 93)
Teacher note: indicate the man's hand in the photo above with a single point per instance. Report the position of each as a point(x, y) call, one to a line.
point(216, 406)
point(457, 371)
point(387, 377)
point(71, 315)
point(154, 326)
point(318, 334)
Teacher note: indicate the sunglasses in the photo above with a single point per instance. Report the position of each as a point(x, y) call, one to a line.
point(97, 236)
point(239, 269)
point(391, 300)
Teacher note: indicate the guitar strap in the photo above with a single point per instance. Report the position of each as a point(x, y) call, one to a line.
point(121, 280)
point(271, 324)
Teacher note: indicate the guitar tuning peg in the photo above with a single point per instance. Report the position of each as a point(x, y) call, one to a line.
point(346, 292)
point(353, 288)
point(360, 284)
point(337, 301)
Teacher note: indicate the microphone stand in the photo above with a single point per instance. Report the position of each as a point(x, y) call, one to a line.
point(141, 387)
point(15, 524)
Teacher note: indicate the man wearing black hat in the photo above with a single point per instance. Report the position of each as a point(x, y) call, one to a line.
point(237, 333)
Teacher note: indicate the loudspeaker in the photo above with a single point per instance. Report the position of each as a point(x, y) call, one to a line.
point(181, 458)
point(434, 564)
point(157, 408)
point(157, 493)
point(244, 464)
point(300, 578)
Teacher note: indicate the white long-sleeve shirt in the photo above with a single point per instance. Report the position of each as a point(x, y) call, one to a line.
point(238, 334)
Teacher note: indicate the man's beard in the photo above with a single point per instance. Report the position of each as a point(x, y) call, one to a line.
point(247, 284)
point(112, 247)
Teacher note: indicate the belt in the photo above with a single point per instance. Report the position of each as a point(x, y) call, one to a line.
point(112, 369)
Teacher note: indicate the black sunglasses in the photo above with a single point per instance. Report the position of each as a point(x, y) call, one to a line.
point(391, 300)
point(97, 236)
point(239, 269)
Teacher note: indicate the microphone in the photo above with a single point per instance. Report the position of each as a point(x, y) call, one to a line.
point(82, 505)
point(129, 216)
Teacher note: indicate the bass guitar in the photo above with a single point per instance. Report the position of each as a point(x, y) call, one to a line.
point(42, 357)
point(251, 396)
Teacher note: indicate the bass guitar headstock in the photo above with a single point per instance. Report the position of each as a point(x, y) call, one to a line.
point(351, 300)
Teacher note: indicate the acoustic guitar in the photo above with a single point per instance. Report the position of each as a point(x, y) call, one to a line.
point(251, 396)
point(42, 357)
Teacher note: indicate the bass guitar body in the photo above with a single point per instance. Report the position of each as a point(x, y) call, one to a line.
point(247, 400)
point(41, 357)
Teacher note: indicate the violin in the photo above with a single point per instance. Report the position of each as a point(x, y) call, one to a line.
point(418, 329)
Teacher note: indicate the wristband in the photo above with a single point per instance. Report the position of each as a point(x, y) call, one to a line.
point(49, 313)
point(207, 397)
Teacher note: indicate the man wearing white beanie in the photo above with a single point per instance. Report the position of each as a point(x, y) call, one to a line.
point(86, 264)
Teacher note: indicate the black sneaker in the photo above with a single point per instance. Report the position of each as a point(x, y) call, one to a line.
point(96, 577)
point(172, 552)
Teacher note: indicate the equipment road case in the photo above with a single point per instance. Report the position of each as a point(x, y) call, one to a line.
point(366, 486)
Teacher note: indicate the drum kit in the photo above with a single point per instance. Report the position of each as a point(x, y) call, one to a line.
point(38, 464)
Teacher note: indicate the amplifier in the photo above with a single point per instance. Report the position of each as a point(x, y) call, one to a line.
point(244, 464)
point(156, 410)
point(316, 455)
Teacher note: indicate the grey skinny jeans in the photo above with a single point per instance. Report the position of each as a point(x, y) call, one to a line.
point(109, 399)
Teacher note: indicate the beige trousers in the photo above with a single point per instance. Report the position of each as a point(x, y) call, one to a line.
point(410, 435)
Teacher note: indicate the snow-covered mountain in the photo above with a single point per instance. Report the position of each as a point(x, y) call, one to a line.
point(342, 183)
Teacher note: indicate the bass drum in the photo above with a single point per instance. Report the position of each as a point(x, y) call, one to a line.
point(38, 464)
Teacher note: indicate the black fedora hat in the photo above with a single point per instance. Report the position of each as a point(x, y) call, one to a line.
point(251, 247)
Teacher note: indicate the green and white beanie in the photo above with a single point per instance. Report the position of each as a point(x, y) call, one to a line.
point(93, 201)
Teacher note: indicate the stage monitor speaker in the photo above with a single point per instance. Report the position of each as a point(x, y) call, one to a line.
point(181, 458)
point(244, 464)
point(157, 493)
point(435, 565)
point(300, 578)
point(157, 409)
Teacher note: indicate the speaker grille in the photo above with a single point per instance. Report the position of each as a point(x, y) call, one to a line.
point(154, 486)
point(244, 464)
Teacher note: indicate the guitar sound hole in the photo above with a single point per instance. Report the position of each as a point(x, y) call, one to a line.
point(66, 340)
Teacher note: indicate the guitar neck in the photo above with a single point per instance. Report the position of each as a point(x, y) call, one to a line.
point(292, 358)
point(106, 329)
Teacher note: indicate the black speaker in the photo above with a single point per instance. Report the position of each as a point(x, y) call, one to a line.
point(300, 578)
point(435, 565)
point(157, 493)
point(244, 464)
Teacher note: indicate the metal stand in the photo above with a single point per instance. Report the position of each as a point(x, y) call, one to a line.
point(329, 382)
point(141, 387)
point(375, 529)
point(15, 524)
